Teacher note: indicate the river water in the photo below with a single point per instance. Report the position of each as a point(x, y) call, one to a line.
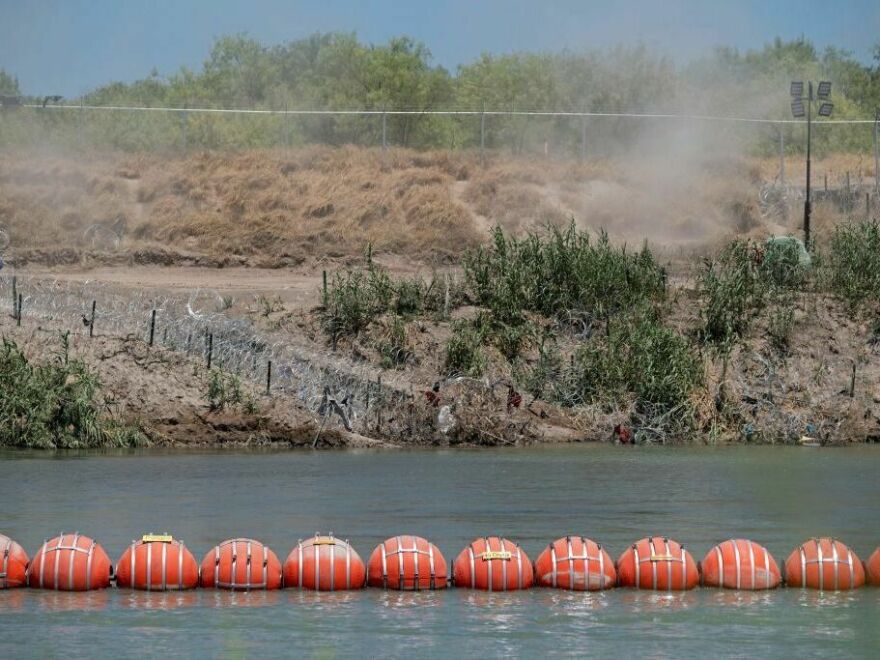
point(615, 495)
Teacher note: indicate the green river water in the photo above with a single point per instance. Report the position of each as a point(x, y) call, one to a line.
point(776, 496)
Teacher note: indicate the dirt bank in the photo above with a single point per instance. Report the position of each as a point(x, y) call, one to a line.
point(165, 394)
point(824, 385)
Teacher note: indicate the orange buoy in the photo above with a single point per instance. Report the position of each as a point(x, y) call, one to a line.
point(575, 563)
point(324, 563)
point(824, 563)
point(872, 569)
point(70, 562)
point(241, 565)
point(407, 563)
point(13, 564)
point(657, 563)
point(157, 563)
point(493, 564)
point(740, 564)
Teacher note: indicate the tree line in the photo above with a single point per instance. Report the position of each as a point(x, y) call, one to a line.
point(336, 71)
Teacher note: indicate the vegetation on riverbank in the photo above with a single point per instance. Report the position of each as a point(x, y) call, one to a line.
point(596, 329)
point(55, 404)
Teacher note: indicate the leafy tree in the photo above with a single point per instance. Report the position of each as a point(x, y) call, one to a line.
point(8, 84)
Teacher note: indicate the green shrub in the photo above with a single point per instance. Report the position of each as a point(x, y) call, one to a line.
point(464, 354)
point(639, 356)
point(225, 390)
point(510, 340)
point(55, 405)
point(544, 374)
point(355, 299)
point(408, 297)
point(563, 273)
point(393, 347)
point(733, 289)
point(785, 263)
point(853, 262)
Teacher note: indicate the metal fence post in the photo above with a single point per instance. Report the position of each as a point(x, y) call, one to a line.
point(82, 122)
point(877, 152)
point(384, 130)
point(183, 127)
point(781, 156)
point(152, 326)
point(583, 137)
point(483, 136)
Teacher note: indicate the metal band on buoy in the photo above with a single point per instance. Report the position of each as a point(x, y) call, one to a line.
point(637, 565)
point(766, 568)
point(737, 566)
point(488, 561)
point(180, 552)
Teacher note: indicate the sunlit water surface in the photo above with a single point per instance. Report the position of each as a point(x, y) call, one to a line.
point(776, 496)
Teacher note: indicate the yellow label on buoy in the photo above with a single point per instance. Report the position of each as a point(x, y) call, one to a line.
point(157, 538)
point(664, 558)
point(324, 540)
point(498, 554)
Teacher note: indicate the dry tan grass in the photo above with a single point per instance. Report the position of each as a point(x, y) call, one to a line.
point(835, 166)
point(272, 207)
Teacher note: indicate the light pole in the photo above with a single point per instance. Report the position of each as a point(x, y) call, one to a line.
point(803, 105)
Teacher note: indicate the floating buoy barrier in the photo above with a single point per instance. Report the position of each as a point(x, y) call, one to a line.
point(825, 564)
point(575, 563)
point(407, 563)
point(157, 563)
point(493, 564)
point(13, 564)
point(657, 563)
point(872, 569)
point(324, 563)
point(70, 562)
point(241, 565)
point(740, 564)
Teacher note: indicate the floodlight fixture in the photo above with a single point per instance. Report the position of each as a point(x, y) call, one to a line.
point(797, 89)
point(825, 109)
point(824, 90)
point(797, 109)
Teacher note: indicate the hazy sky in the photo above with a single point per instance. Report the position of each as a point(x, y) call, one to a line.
point(71, 46)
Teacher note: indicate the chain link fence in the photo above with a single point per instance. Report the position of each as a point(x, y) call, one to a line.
point(551, 134)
